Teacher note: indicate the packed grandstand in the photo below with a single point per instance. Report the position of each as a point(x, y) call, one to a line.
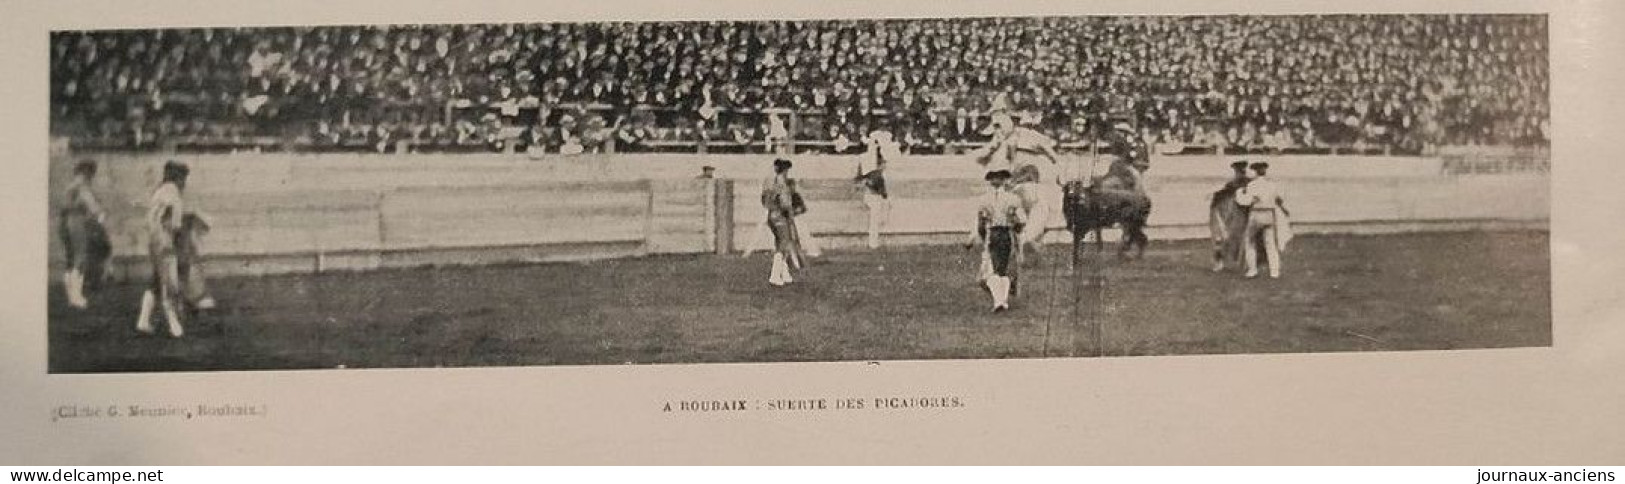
point(1347, 83)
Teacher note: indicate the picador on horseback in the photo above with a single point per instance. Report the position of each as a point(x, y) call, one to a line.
point(1030, 158)
point(1095, 201)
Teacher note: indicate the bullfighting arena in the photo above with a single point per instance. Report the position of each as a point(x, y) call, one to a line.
point(365, 263)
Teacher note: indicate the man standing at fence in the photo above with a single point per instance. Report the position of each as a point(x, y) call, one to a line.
point(999, 221)
point(164, 223)
point(872, 181)
point(84, 236)
point(783, 204)
point(1267, 221)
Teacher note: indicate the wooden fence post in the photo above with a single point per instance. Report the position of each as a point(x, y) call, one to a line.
point(722, 205)
point(648, 216)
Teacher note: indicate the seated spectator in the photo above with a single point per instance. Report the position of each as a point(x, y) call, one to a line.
point(777, 133)
point(1422, 78)
point(631, 139)
point(571, 145)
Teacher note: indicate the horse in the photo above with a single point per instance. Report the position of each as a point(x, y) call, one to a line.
point(1111, 201)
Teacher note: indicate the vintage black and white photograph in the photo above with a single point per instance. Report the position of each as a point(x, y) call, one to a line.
point(803, 190)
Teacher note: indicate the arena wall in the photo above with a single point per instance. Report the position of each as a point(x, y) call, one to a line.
point(276, 213)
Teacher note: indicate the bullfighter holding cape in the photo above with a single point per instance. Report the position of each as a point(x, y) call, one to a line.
point(82, 223)
point(783, 204)
point(1000, 219)
point(1268, 223)
point(1227, 221)
point(174, 233)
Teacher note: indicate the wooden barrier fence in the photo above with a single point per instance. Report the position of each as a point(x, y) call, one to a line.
point(278, 214)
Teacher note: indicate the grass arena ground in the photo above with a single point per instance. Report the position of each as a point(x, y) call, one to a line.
point(1425, 291)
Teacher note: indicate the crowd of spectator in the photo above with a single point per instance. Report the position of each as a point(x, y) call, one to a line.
point(1388, 81)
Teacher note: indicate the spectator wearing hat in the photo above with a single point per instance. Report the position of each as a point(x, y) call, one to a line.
point(1267, 223)
point(1465, 84)
point(783, 204)
point(999, 221)
point(84, 235)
